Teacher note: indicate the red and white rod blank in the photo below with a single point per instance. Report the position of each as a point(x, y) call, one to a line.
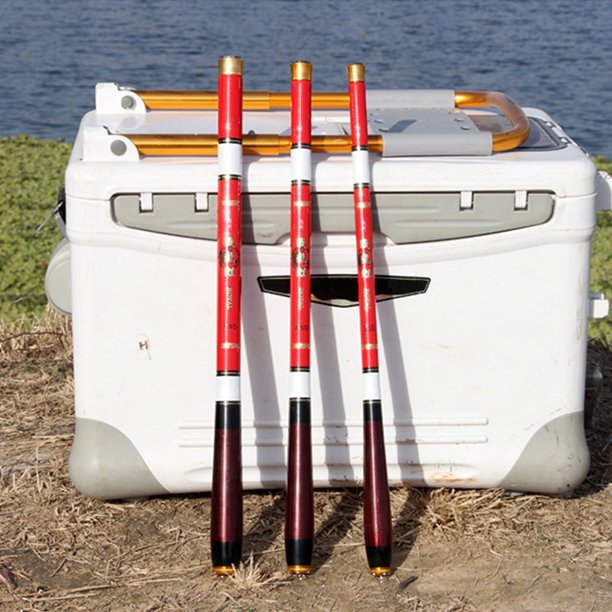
point(377, 509)
point(299, 516)
point(226, 515)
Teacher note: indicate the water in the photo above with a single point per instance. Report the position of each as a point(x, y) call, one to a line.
point(553, 54)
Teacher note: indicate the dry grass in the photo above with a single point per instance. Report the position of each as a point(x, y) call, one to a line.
point(469, 549)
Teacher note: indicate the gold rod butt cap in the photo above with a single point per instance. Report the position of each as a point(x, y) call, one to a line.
point(298, 570)
point(356, 73)
point(224, 570)
point(301, 71)
point(380, 572)
point(230, 64)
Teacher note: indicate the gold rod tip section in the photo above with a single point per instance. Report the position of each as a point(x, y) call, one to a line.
point(230, 64)
point(299, 570)
point(224, 570)
point(380, 572)
point(301, 71)
point(356, 73)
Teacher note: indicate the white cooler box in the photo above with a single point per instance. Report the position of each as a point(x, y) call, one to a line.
point(482, 264)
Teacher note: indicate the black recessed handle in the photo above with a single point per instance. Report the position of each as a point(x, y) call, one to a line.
point(340, 290)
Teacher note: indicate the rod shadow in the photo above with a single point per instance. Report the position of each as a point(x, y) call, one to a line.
point(335, 527)
point(266, 528)
point(268, 442)
point(333, 410)
point(406, 523)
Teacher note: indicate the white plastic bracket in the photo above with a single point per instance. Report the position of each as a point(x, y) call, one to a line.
point(100, 145)
point(598, 306)
point(520, 200)
point(146, 202)
point(201, 202)
point(114, 100)
point(467, 200)
point(603, 197)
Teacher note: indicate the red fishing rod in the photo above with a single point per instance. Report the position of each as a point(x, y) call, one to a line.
point(226, 516)
point(299, 516)
point(377, 508)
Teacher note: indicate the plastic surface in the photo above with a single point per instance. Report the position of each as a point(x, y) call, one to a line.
point(429, 132)
point(556, 458)
point(604, 192)
point(58, 285)
point(599, 307)
point(410, 98)
point(104, 463)
point(402, 217)
point(472, 368)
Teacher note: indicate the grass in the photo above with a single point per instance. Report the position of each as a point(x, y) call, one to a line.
point(601, 262)
point(32, 173)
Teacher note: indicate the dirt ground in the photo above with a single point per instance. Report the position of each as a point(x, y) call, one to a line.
point(454, 550)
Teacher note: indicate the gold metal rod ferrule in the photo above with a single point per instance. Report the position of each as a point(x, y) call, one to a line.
point(230, 64)
point(356, 73)
point(380, 572)
point(301, 71)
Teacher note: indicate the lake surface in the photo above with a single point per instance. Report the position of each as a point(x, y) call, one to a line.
point(552, 54)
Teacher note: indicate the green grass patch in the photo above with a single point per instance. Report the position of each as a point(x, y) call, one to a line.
point(31, 173)
point(601, 263)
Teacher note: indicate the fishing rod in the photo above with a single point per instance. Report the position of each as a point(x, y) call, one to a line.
point(299, 514)
point(377, 508)
point(226, 515)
